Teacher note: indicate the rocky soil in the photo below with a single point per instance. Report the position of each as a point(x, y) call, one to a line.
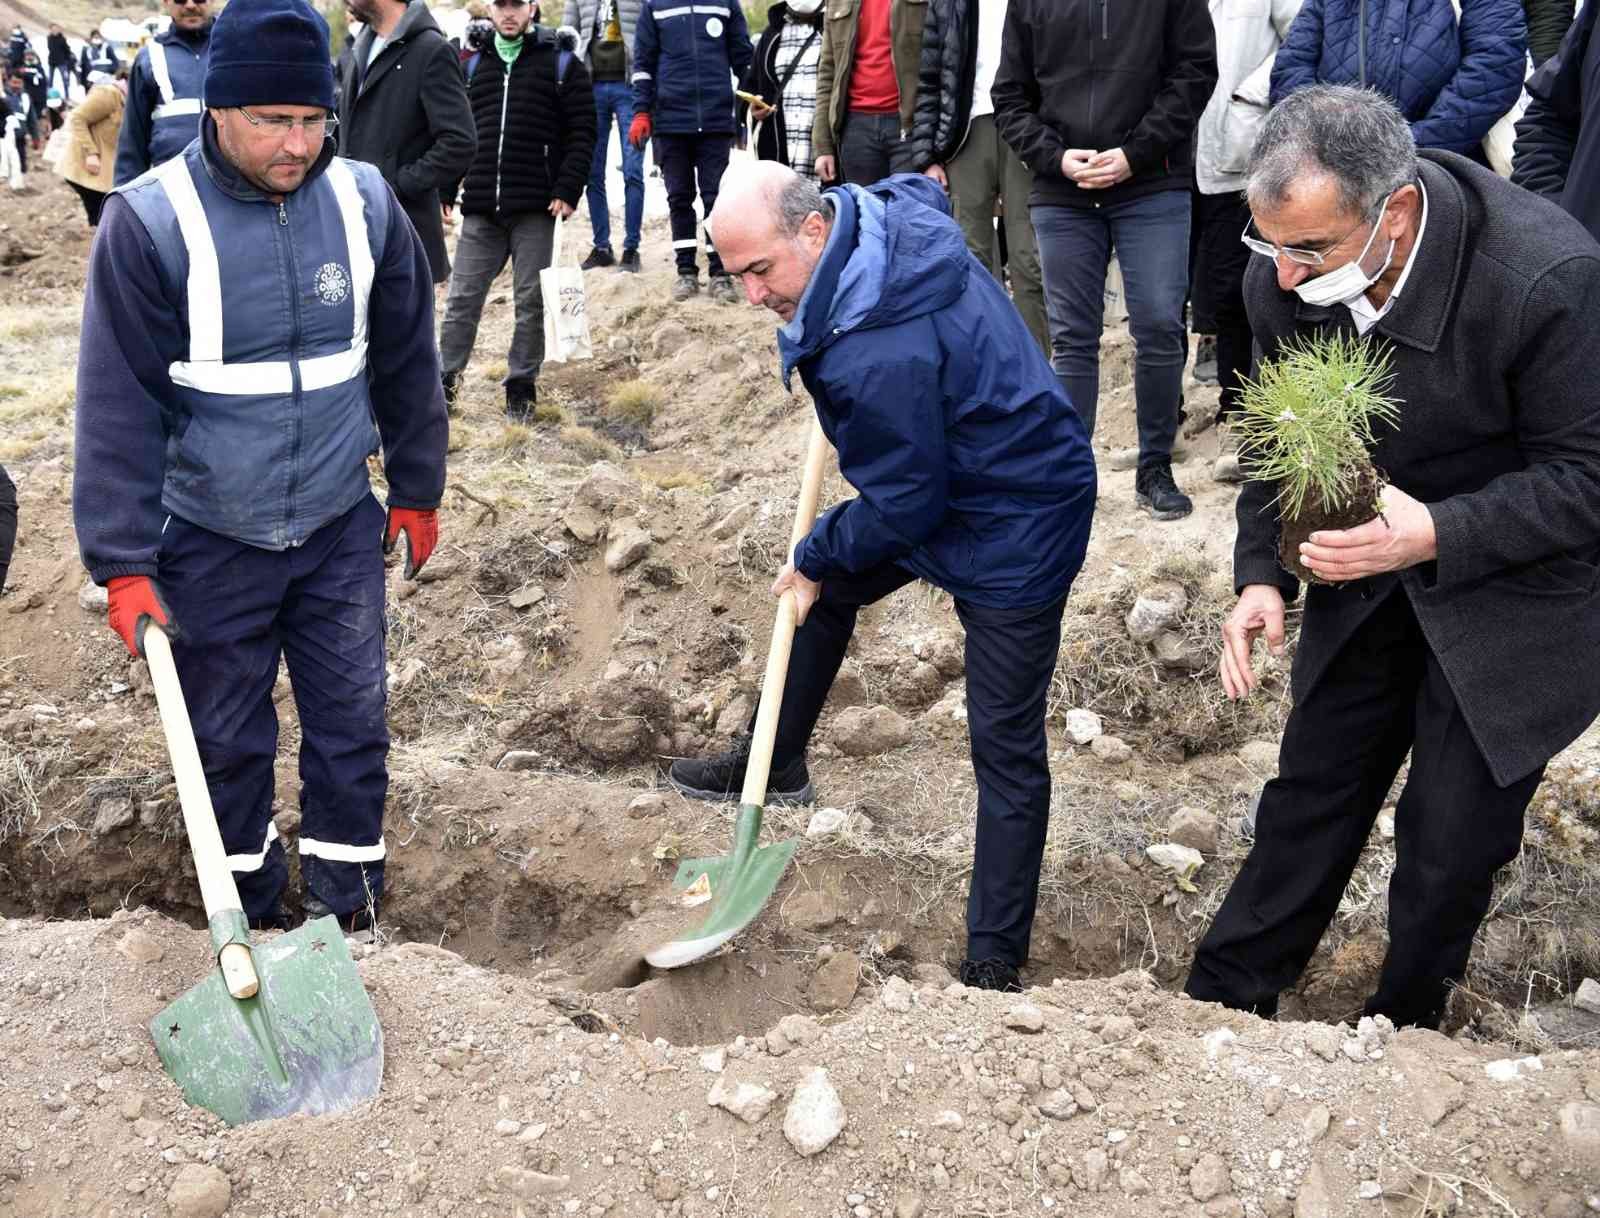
point(599, 606)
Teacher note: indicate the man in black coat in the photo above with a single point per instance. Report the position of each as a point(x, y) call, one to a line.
point(1463, 624)
point(404, 109)
point(534, 110)
point(62, 62)
point(1557, 151)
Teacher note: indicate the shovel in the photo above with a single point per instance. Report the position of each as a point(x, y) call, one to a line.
point(740, 883)
point(274, 1030)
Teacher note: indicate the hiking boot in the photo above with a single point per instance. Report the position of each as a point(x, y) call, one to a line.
point(722, 777)
point(363, 919)
point(1205, 360)
point(686, 287)
point(630, 261)
point(276, 920)
point(520, 401)
point(451, 381)
point(990, 974)
point(1155, 492)
point(722, 289)
point(598, 257)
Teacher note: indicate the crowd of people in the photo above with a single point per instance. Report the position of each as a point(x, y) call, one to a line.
point(940, 188)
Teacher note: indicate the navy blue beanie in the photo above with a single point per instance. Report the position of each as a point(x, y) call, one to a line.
point(269, 53)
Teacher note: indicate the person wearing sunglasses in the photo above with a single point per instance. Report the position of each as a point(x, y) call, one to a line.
point(1460, 626)
point(163, 111)
point(258, 323)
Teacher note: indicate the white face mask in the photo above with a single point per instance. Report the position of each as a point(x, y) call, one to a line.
point(1349, 281)
point(804, 8)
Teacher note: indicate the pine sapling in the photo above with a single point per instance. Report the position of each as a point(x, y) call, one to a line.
point(1306, 424)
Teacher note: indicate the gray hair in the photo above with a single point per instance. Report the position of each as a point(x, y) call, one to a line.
point(797, 199)
point(1355, 136)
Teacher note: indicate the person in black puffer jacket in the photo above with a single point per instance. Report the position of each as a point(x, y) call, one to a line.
point(8, 523)
point(954, 142)
point(534, 110)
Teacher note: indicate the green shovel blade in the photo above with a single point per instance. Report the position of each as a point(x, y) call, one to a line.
point(741, 884)
point(308, 1042)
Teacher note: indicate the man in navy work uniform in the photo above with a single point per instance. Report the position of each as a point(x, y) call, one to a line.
point(163, 110)
point(258, 321)
point(974, 474)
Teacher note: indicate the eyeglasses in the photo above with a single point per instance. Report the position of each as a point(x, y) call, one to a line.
point(1305, 257)
point(281, 124)
point(195, 3)
point(510, 4)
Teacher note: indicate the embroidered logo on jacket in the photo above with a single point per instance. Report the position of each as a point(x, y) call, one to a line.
point(333, 285)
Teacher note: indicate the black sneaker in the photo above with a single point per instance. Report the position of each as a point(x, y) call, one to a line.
point(990, 974)
point(598, 257)
point(722, 777)
point(520, 401)
point(363, 919)
point(451, 383)
point(1155, 492)
point(630, 261)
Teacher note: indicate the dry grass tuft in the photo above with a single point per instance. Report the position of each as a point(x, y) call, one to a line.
point(1103, 669)
point(588, 443)
point(633, 403)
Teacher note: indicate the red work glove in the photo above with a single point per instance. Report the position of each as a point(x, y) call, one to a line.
point(422, 535)
point(136, 601)
point(639, 133)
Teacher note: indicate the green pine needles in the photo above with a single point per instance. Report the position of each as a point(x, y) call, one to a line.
point(1306, 421)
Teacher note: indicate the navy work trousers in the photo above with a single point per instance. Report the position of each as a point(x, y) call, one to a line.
point(687, 161)
point(321, 607)
point(1010, 657)
point(8, 523)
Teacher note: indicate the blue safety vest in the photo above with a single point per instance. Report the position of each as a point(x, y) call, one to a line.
point(179, 73)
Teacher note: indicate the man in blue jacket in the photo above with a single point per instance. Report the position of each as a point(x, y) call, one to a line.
point(685, 58)
point(163, 110)
point(974, 473)
point(1452, 79)
point(258, 322)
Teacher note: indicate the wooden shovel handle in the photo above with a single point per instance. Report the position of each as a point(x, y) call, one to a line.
point(805, 514)
point(217, 889)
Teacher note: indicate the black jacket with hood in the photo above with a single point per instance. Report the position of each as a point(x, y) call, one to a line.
point(1102, 74)
point(536, 132)
point(407, 114)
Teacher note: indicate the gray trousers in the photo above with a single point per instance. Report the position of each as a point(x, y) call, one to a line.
point(983, 171)
point(486, 242)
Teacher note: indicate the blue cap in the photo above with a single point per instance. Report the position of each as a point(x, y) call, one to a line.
point(269, 52)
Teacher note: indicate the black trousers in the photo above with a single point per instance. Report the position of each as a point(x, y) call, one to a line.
point(688, 160)
point(1385, 694)
point(1217, 288)
point(8, 523)
point(93, 201)
point(1010, 657)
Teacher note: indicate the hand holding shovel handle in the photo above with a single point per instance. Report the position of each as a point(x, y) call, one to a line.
point(217, 889)
point(805, 514)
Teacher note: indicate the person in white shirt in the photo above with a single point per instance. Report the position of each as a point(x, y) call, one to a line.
point(953, 141)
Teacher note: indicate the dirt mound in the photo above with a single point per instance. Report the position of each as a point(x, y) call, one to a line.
point(513, 1096)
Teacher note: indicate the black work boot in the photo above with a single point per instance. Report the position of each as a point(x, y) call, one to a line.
point(687, 285)
point(451, 383)
point(630, 261)
point(521, 398)
point(363, 919)
point(1155, 492)
point(991, 974)
point(722, 777)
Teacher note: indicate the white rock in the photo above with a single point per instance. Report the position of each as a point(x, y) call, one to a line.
point(1025, 1017)
point(1217, 1042)
point(1111, 750)
point(1509, 1068)
point(714, 1060)
point(1158, 607)
point(1369, 1190)
point(1588, 996)
point(816, 1116)
point(507, 1128)
point(948, 1119)
point(629, 543)
point(92, 598)
point(826, 821)
point(747, 1101)
point(1083, 725)
point(1182, 861)
point(896, 994)
point(526, 597)
point(532, 1133)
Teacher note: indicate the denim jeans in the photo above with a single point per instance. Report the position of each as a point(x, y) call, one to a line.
point(1151, 237)
point(871, 148)
point(613, 99)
